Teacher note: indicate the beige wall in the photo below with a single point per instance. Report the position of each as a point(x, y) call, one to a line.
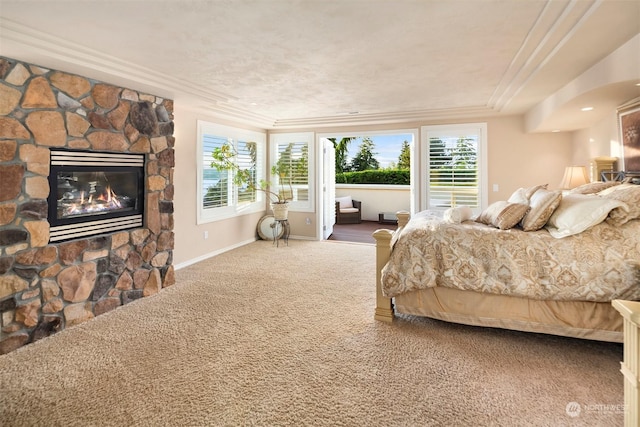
point(190, 242)
point(601, 139)
point(516, 159)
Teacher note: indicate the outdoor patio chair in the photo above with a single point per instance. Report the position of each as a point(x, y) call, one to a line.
point(348, 211)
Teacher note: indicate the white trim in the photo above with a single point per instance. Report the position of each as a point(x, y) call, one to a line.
point(236, 134)
point(277, 139)
point(481, 130)
point(308, 238)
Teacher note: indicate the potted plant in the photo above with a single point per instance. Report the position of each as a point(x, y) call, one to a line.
point(224, 159)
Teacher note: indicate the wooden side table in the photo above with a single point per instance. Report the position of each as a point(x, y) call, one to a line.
point(387, 218)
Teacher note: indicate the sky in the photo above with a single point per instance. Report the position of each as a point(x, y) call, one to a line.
point(387, 147)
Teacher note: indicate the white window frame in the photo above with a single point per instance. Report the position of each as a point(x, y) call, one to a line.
point(279, 139)
point(234, 209)
point(462, 129)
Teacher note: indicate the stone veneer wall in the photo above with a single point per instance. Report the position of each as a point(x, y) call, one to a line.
point(47, 287)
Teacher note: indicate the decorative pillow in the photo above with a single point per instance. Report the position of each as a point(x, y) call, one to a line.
point(458, 214)
point(579, 212)
point(519, 196)
point(593, 187)
point(629, 194)
point(522, 195)
point(543, 203)
point(345, 202)
point(531, 190)
point(503, 215)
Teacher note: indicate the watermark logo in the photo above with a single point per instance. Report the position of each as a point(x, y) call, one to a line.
point(573, 409)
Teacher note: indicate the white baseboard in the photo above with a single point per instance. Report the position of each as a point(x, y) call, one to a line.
point(211, 254)
point(292, 237)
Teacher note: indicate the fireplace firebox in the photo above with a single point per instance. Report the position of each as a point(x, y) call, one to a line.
point(93, 193)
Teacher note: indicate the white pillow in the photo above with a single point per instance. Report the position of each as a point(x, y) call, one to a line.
point(579, 212)
point(458, 214)
point(523, 195)
point(345, 202)
point(519, 196)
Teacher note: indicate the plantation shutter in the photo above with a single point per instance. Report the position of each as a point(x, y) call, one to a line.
point(219, 197)
point(247, 159)
point(216, 186)
point(293, 159)
point(453, 177)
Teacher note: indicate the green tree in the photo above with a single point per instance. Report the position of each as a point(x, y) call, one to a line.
point(464, 160)
point(341, 148)
point(404, 160)
point(464, 156)
point(439, 159)
point(458, 162)
point(292, 168)
point(438, 154)
point(364, 158)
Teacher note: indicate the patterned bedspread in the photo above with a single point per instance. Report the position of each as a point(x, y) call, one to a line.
point(600, 264)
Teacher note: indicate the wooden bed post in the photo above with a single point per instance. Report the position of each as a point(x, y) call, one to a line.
point(384, 244)
point(384, 308)
point(630, 366)
point(403, 219)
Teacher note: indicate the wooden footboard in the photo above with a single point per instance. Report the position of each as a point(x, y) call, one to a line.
point(630, 366)
point(384, 244)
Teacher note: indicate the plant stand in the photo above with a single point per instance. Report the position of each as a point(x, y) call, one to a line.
point(281, 230)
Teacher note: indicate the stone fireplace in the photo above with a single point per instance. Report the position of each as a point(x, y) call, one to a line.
point(86, 199)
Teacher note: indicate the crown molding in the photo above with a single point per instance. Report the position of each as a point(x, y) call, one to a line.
point(386, 118)
point(27, 44)
point(236, 115)
point(555, 26)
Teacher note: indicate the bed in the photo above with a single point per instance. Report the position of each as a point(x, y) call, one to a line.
point(557, 277)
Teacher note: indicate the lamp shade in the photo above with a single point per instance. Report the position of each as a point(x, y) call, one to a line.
point(574, 176)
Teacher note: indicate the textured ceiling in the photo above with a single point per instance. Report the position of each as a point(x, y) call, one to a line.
point(284, 63)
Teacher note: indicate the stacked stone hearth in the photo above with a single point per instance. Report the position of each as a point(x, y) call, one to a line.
point(47, 287)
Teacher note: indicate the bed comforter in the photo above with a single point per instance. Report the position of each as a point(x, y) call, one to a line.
point(599, 264)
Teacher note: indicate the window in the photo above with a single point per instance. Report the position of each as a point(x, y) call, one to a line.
point(292, 156)
point(454, 166)
point(218, 196)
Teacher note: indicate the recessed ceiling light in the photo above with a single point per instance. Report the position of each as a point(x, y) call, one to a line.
point(587, 109)
point(637, 84)
point(555, 130)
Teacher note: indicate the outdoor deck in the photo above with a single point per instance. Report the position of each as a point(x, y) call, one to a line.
point(361, 233)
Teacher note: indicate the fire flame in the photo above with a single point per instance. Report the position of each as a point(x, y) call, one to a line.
point(106, 201)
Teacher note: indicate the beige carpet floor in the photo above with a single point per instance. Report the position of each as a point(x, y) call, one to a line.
point(270, 336)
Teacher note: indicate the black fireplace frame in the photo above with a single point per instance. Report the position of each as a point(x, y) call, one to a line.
point(62, 160)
